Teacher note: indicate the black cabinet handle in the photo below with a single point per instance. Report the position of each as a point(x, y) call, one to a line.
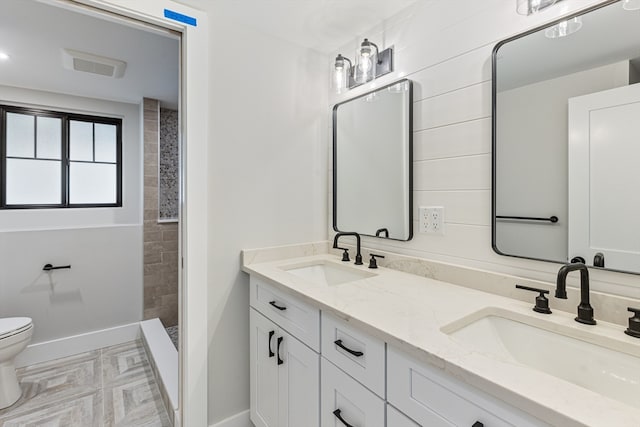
point(273, 303)
point(477, 424)
point(338, 415)
point(342, 346)
point(271, 353)
point(280, 361)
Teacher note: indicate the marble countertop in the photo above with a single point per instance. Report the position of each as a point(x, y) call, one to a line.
point(408, 312)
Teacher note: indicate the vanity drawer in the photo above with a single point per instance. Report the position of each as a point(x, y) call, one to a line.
point(342, 396)
point(433, 398)
point(358, 354)
point(396, 418)
point(300, 319)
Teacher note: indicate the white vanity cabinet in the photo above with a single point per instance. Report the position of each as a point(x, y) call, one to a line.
point(284, 371)
point(311, 369)
point(433, 398)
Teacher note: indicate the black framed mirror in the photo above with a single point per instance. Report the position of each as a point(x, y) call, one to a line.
point(372, 163)
point(566, 103)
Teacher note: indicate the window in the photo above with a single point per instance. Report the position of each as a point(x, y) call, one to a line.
point(59, 160)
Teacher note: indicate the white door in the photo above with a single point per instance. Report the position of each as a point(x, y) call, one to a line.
point(263, 370)
point(604, 177)
point(298, 382)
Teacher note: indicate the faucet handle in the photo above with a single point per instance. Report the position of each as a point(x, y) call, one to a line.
point(634, 323)
point(373, 262)
point(542, 303)
point(345, 254)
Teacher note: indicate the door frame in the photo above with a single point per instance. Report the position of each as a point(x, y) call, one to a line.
point(193, 110)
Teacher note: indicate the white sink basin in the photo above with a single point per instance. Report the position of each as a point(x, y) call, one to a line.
point(327, 273)
point(552, 349)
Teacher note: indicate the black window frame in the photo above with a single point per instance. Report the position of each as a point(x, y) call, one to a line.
point(65, 161)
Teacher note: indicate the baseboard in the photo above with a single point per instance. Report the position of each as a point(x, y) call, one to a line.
point(68, 346)
point(240, 419)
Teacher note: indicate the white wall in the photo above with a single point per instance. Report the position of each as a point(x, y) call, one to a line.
point(103, 245)
point(532, 135)
point(267, 180)
point(445, 47)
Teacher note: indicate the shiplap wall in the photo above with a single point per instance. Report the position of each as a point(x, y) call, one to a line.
point(445, 48)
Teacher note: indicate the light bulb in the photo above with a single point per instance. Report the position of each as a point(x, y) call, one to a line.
point(3, 56)
point(365, 64)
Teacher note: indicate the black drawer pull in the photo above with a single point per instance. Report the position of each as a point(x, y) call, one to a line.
point(273, 303)
point(338, 415)
point(280, 361)
point(271, 353)
point(477, 424)
point(342, 346)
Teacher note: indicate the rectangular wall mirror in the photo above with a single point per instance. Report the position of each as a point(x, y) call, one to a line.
point(372, 163)
point(566, 140)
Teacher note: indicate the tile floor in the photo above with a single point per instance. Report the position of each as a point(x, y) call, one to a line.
point(113, 386)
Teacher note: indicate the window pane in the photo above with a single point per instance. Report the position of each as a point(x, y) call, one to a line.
point(20, 135)
point(49, 137)
point(92, 183)
point(33, 182)
point(81, 140)
point(105, 143)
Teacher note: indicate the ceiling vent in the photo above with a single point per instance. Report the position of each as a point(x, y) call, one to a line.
point(90, 63)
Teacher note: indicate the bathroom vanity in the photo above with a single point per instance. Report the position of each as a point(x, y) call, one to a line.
point(333, 344)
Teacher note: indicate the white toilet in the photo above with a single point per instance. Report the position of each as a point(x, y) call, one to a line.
point(15, 334)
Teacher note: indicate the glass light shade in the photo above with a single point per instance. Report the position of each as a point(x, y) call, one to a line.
point(527, 7)
point(366, 61)
point(564, 28)
point(631, 4)
point(341, 72)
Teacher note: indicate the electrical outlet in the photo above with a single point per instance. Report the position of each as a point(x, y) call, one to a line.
point(432, 220)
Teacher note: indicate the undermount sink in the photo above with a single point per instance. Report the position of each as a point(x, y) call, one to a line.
point(327, 273)
point(554, 349)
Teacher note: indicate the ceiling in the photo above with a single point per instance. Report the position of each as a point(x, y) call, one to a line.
point(322, 25)
point(33, 35)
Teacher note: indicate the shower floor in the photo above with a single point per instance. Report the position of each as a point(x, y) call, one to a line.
point(172, 331)
point(113, 386)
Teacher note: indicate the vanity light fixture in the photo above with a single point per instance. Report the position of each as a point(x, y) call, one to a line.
point(564, 28)
point(631, 4)
point(527, 7)
point(370, 64)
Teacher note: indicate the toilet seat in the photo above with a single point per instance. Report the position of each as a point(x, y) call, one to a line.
point(14, 325)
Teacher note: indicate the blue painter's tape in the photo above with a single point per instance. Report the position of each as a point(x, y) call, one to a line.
point(189, 20)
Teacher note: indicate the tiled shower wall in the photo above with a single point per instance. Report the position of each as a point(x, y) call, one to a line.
point(169, 164)
point(160, 239)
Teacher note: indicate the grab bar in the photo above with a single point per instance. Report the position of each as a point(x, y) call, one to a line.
point(552, 219)
point(49, 267)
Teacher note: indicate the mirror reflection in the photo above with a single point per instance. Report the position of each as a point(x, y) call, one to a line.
point(372, 147)
point(566, 133)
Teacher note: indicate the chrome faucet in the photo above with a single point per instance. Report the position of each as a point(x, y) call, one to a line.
point(357, 236)
point(585, 311)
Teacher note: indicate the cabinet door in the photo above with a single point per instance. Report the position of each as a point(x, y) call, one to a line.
point(396, 418)
point(263, 371)
point(345, 402)
point(298, 382)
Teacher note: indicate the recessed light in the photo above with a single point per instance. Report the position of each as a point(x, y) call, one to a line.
point(3, 56)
